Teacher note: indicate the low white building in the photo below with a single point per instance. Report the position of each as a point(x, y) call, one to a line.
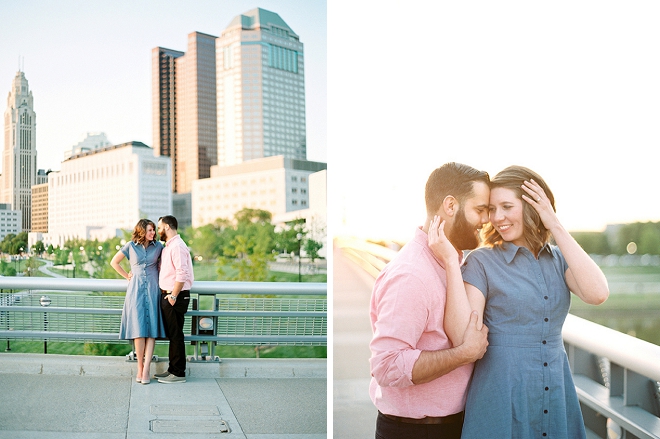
point(100, 192)
point(275, 184)
point(10, 221)
point(316, 216)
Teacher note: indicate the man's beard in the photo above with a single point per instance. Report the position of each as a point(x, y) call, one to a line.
point(163, 236)
point(462, 234)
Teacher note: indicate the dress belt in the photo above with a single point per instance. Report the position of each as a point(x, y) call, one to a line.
point(451, 419)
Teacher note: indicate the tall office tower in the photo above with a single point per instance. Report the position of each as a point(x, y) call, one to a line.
point(261, 90)
point(184, 109)
point(19, 170)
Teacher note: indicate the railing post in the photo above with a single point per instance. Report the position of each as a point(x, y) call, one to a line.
point(639, 392)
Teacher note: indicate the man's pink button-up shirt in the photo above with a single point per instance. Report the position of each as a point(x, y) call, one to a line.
point(407, 316)
point(175, 265)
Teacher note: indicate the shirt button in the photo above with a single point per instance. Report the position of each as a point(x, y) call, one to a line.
point(545, 364)
point(545, 297)
point(544, 342)
point(547, 388)
point(545, 319)
point(545, 411)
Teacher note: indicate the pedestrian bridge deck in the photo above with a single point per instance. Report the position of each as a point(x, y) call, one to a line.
point(55, 396)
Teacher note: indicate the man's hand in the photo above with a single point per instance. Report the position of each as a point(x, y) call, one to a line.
point(475, 341)
point(171, 299)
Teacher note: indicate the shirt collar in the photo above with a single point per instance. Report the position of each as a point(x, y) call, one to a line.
point(510, 250)
point(172, 239)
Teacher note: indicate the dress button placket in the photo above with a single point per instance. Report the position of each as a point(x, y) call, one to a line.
point(543, 290)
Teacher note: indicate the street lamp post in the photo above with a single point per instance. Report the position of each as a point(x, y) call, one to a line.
point(45, 301)
point(299, 237)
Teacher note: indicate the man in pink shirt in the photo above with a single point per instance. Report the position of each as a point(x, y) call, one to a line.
point(419, 374)
point(175, 280)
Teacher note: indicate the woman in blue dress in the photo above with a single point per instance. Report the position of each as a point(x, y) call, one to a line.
point(141, 320)
point(520, 286)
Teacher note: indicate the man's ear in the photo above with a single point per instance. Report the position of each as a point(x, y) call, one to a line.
point(450, 205)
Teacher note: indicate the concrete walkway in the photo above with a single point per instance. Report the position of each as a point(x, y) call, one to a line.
point(45, 268)
point(354, 415)
point(60, 396)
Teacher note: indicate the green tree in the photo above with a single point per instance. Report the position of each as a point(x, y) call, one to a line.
point(249, 247)
point(19, 242)
point(38, 247)
point(209, 240)
point(312, 249)
point(287, 240)
point(31, 267)
point(593, 242)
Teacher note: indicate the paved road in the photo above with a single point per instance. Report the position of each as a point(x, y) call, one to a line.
point(354, 415)
point(83, 397)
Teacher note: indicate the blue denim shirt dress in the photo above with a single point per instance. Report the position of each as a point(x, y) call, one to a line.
point(522, 387)
point(141, 314)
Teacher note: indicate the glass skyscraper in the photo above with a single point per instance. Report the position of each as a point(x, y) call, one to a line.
point(260, 89)
point(184, 109)
point(229, 99)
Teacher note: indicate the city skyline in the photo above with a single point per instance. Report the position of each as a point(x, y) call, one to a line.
point(89, 66)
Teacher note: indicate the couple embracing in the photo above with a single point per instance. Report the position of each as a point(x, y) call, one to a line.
point(434, 314)
point(157, 296)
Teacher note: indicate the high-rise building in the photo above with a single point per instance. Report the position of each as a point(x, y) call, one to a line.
point(230, 99)
point(101, 192)
point(19, 159)
point(184, 109)
point(261, 89)
point(40, 208)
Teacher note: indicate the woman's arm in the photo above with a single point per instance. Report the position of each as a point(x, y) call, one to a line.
point(116, 259)
point(583, 276)
point(462, 298)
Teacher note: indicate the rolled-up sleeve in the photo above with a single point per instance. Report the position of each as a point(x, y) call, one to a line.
point(398, 321)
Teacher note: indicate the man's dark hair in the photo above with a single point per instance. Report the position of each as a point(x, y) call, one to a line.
point(453, 179)
point(170, 221)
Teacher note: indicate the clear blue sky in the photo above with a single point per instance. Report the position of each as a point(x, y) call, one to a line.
point(570, 89)
point(88, 63)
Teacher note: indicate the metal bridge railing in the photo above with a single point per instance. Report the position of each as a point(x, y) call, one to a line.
point(617, 379)
point(617, 376)
point(228, 313)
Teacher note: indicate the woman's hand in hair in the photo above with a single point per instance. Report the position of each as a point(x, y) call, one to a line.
point(537, 198)
point(438, 242)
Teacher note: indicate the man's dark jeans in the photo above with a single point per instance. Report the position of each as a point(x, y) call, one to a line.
point(173, 317)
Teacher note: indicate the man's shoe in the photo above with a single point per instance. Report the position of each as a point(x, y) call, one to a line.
point(161, 375)
point(170, 379)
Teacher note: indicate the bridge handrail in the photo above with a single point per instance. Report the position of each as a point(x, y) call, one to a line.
point(257, 313)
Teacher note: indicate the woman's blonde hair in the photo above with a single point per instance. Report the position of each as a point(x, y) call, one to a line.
point(140, 231)
point(534, 232)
